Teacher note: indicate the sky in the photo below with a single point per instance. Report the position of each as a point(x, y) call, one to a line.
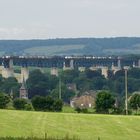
point(45, 19)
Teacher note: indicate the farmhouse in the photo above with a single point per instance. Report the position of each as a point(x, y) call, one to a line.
point(84, 101)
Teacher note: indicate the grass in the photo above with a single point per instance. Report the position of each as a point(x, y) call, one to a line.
point(68, 109)
point(84, 126)
point(35, 138)
point(53, 50)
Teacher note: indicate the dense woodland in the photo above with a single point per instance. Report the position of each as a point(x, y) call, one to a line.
point(45, 85)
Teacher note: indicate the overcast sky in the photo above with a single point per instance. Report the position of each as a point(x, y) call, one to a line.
point(27, 19)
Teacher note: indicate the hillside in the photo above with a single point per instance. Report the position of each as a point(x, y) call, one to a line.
point(76, 46)
point(85, 126)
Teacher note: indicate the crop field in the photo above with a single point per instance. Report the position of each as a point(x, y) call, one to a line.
point(83, 126)
point(53, 50)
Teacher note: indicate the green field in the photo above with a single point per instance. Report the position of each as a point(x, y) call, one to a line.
point(53, 50)
point(85, 126)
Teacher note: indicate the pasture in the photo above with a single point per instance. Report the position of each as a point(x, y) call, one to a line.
point(84, 126)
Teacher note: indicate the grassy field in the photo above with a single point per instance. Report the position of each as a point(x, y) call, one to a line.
point(52, 50)
point(85, 126)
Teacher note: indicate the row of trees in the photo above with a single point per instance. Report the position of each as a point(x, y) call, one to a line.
point(105, 102)
point(38, 103)
point(45, 84)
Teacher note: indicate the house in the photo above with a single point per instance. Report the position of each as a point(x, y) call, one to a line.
point(84, 101)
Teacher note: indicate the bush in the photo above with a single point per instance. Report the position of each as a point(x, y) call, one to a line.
point(81, 110)
point(46, 104)
point(39, 103)
point(29, 107)
point(57, 105)
point(20, 104)
point(4, 100)
point(135, 102)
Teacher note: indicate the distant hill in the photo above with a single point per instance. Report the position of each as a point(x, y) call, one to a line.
point(70, 46)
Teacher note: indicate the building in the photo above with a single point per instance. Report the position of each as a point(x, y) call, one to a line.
point(84, 101)
point(23, 93)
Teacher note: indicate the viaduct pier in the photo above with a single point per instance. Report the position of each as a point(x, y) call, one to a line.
point(64, 62)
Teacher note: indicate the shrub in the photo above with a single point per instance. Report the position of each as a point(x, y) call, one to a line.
point(81, 110)
point(4, 100)
point(46, 104)
point(57, 105)
point(22, 104)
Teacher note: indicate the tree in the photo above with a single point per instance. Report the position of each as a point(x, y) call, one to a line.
point(46, 103)
point(8, 84)
point(135, 101)
point(39, 103)
point(66, 94)
point(49, 103)
point(37, 84)
point(134, 73)
point(69, 75)
point(104, 102)
point(93, 73)
point(4, 100)
point(20, 104)
point(119, 74)
point(57, 105)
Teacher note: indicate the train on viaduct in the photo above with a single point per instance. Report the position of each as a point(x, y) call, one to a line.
point(65, 62)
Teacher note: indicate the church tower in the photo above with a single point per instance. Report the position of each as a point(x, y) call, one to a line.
point(23, 93)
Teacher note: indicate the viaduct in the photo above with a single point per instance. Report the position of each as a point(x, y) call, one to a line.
point(64, 62)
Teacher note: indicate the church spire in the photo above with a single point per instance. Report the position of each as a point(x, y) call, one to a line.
point(23, 90)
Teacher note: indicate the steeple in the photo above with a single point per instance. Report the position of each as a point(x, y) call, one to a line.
point(23, 90)
point(11, 94)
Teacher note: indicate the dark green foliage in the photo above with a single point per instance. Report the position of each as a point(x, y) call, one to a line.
point(39, 103)
point(134, 73)
point(81, 110)
point(90, 74)
point(68, 76)
point(47, 103)
point(104, 102)
point(28, 107)
point(119, 74)
point(83, 84)
point(21, 104)
point(40, 83)
point(66, 94)
point(135, 101)
point(4, 100)
point(9, 84)
point(37, 84)
point(57, 105)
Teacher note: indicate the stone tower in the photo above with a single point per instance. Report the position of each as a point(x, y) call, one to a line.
point(23, 93)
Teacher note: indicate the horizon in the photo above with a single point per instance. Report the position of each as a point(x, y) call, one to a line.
point(69, 38)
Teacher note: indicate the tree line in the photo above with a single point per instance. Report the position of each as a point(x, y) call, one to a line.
point(105, 103)
point(43, 85)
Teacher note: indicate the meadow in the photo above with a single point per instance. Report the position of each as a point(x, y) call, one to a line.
point(84, 126)
point(53, 50)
